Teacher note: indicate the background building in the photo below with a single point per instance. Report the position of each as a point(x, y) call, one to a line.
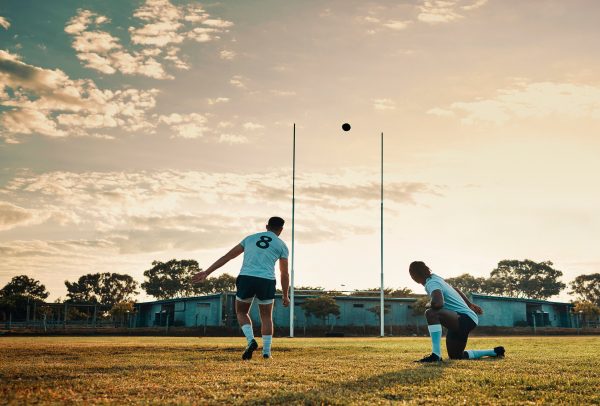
point(219, 310)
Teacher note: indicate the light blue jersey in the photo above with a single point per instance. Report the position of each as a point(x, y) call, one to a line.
point(261, 251)
point(452, 300)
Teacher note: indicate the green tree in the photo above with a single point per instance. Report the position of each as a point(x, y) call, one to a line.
point(121, 310)
point(221, 283)
point(25, 286)
point(587, 288)
point(309, 288)
point(418, 309)
point(20, 292)
point(305, 290)
point(493, 286)
point(103, 288)
point(376, 310)
point(589, 310)
point(387, 292)
point(166, 280)
point(469, 284)
point(420, 305)
point(320, 307)
point(528, 279)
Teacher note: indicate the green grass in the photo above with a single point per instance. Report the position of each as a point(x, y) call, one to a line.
point(159, 370)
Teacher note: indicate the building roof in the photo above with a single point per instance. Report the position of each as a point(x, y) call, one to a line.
point(518, 299)
point(297, 296)
point(181, 299)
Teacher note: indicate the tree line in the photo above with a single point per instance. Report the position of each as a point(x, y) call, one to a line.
point(172, 279)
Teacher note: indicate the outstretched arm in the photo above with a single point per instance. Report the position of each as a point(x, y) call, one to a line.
point(472, 306)
point(285, 280)
point(234, 252)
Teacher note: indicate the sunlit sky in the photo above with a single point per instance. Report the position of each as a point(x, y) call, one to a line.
point(133, 131)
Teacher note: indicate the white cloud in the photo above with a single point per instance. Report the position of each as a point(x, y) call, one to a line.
point(384, 104)
point(218, 100)
point(163, 22)
point(79, 23)
point(396, 25)
point(186, 125)
point(227, 55)
point(445, 11)
point(252, 126)
point(283, 92)
point(172, 57)
point(107, 201)
point(436, 111)
point(203, 34)
point(4, 23)
point(12, 216)
point(233, 139)
point(48, 102)
point(169, 24)
point(218, 23)
point(165, 27)
point(238, 81)
point(475, 5)
point(371, 19)
point(29, 121)
point(103, 52)
point(541, 99)
point(125, 220)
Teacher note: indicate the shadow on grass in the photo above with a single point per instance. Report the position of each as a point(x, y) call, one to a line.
point(351, 391)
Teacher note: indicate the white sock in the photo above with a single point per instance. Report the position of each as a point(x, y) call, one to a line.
point(267, 344)
point(247, 329)
point(435, 331)
point(475, 354)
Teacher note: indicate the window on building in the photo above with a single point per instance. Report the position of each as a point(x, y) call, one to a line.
point(358, 305)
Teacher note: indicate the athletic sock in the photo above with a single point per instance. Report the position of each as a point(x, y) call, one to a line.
point(247, 330)
point(435, 331)
point(267, 344)
point(475, 354)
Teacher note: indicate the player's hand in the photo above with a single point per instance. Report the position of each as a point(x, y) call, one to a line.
point(476, 308)
point(199, 277)
point(286, 301)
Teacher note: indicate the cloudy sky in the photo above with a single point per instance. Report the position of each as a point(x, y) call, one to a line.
point(133, 131)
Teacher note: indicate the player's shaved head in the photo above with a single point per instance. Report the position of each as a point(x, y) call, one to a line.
point(419, 272)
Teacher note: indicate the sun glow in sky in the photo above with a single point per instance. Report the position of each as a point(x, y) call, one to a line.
point(133, 131)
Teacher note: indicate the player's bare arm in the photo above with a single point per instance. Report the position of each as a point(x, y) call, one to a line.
point(472, 306)
point(437, 300)
point(233, 253)
point(285, 280)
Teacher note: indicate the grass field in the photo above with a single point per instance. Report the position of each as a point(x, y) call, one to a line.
point(158, 370)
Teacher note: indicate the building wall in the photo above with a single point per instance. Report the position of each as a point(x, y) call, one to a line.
point(354, 312)
point(187, 312)
point(508, 312)
point(198, 312)
point(559, 315)
point(500, 313)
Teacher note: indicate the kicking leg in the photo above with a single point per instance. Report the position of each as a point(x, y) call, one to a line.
point(266, 319)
